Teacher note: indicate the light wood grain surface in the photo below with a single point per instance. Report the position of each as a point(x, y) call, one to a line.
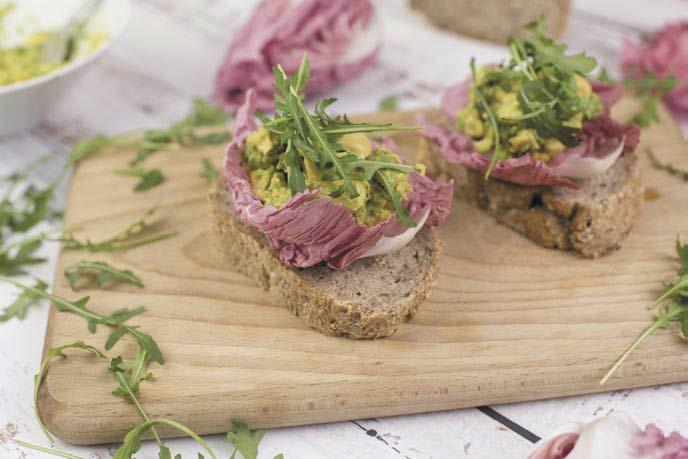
point(169, 54)
point(507, 321)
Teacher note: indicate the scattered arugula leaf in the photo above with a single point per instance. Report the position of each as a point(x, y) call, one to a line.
point(132, 441)
point(124, 239)
point(105, 273)
point(135, 372)
point(115, 320)
point(23, 302)
point(389, 103)
point(88, 147)
point(149, 177)
point(650, 89)
point(682, 253)
point(603, 76)
point(43, 449)
point(209, 172)
point(676, 311)
point(53, 353)
point(670, 168)
point(14, 257)
point(244, 441)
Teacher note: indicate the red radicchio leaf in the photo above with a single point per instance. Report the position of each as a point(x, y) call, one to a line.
point(341, 37)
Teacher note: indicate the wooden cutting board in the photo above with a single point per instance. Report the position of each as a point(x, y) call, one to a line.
point(507, 320)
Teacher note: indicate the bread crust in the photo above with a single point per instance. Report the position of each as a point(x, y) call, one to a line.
point(593, 220)
point(495, 20)
point(329, 300)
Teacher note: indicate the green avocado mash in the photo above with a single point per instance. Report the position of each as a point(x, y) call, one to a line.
point(518, 136)
point(23, 62)
point(264, 162)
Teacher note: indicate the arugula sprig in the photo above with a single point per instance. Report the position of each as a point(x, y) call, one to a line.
point(16, 256)
point(125, 239)
point(116, 320)
point(650, 89)
point(669, 168)
point(105, 273)
point(209, 172)
point(149, 178)
point(315, 136)
point(676, 311)
point(38, 377)
point(23, 302)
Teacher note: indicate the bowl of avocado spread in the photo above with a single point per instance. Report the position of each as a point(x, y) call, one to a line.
point(29, 84)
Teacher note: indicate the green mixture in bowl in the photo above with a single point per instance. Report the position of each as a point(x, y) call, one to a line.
point(25, 61)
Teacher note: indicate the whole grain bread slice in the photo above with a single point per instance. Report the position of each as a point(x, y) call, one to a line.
point(494, 20)
point(593, 220)
point(368, 299)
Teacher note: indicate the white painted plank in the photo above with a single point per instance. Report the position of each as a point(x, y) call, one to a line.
point(171, 52)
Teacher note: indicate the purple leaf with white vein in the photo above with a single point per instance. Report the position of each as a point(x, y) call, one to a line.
point(341, 37)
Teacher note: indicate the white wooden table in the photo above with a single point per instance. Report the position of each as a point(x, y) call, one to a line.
point(169, 54)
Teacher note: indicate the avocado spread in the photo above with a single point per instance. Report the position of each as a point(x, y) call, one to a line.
point(264, 162)
point(502, 90)
point(25, 61)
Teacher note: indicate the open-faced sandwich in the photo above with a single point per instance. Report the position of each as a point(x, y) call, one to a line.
point(533, 143)
point(336, 226)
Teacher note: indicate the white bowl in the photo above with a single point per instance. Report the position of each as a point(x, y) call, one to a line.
point(23, 104)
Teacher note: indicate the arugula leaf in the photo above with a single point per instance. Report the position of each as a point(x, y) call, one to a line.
point(315, 136)
point(648, 113)
point(137, 371)
point(23, 302)
point(389, 103)
point(682, 252)
point(14, 257)
point(244, 441)
point(124, 239)
point(43, 449)
point(115, 320)
point(650, 89)
point(87, 147)
point(497, 154)
point(547, 52)
point(105, 273)
point(132, 441)
point(676, 311)
point(38, 378)
point(149, 177)
point(669, 168)
point(209, 172)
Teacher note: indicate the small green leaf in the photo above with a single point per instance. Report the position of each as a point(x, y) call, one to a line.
point(88, 147)
point(124, 239)
point(149, 177)
point(209, 171)
point(244, 441)
point(115, 336)
point(389, 103)
point(38, 378)
point(682, 252)
point(25, 300)
point(104, 271)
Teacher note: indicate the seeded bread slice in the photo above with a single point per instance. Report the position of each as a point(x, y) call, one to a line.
point(368, 299)
point(494, 20)
point(593, 220)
